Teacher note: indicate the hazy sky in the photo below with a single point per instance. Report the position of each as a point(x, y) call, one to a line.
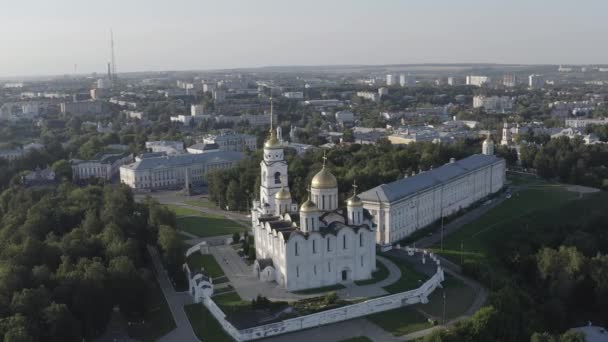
point(50, 36)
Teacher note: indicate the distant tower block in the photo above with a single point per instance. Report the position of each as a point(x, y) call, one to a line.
point(506, 135)
point(487, 147)
point(280, 134)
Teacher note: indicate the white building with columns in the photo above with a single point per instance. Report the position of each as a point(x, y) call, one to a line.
point(402, 207)
point(319, 244)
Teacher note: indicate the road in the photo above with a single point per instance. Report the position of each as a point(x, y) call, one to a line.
point(175, 300)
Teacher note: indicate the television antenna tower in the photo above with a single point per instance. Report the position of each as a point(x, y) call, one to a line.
point(113, 56)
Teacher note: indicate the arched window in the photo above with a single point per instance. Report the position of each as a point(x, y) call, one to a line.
point(277, 178)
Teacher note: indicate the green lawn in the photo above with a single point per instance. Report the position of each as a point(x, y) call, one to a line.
point(358, 339)
point(181, 211)
point(158, 320)
point(208, 225)
point(410, 278)
point(458, 299)
point(379, 274)
point(320, 289)
point(231, 303)
point(476, 237)
point(205, 326)
point(202, 202)
point(197, 260)
point(400, 321)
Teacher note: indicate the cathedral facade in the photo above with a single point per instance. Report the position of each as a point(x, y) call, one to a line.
point(313, 245)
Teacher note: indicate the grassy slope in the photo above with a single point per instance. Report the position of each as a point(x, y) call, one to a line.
point(477, 237)
point(205, 326)
point(197, 260)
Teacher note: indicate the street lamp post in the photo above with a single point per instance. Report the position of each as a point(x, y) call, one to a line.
point(443, 307)
point(461, 252)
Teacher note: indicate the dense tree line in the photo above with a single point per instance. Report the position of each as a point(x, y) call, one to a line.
point(569, 161)
point(368, 165)
point(69, 255)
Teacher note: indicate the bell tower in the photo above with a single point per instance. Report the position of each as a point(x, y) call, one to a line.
point(273, 168)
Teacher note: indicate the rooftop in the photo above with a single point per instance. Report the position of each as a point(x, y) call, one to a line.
point(185, 159)
point(402, 188)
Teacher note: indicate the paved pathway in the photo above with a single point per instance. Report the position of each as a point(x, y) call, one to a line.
point(354, 291)
point(337, 332)
point(249, 287)
point(176, 302)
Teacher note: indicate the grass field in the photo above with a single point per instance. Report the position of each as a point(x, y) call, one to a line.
point(410, 278)
point(202, 224)
point(379, 274)
point(400, 321)
point(405, 320)
point(231, 303)
point(458, 299)
point(475, 239)
point(181, 211)
point(197, 260)
point(157, 317)
point(205, 326)
point(206, 226)
point(202, 202)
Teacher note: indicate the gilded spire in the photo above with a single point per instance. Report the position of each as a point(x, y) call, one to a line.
point(272, 142)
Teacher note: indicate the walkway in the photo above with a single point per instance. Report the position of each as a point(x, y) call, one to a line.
point(354, 291)
point(176, 302)
point(249, 287)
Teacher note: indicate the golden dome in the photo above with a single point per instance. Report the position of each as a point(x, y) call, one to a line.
point(354, 201)
point(283, 194)
point(272, 142)
point(309, 207)
point(324, 180)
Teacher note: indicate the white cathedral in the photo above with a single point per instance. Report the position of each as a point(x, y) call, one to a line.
point(318, 244)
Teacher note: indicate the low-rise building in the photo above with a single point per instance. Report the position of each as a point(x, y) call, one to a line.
point(202, 148)
point(166, 146)
point(368, 95)
point(232, 142)
point(177, 170)
point(11, 153)
point(345, 117)
point(584, 122)
point(82, 108)
point(496, 104)
point(477, 80)
point(407, 205)
point(103, 166)
point(296, 95)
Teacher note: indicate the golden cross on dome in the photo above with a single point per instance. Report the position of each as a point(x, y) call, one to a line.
point(355, 186)
point(308, 190)
point(324, 158)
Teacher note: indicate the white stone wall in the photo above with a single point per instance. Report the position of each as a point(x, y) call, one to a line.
point(419, 295)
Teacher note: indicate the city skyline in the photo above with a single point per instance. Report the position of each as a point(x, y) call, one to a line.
point(51, 38)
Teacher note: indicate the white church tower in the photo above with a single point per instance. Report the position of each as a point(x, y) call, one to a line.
point(487, 147)
point(274, 169)
point(354, 208)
